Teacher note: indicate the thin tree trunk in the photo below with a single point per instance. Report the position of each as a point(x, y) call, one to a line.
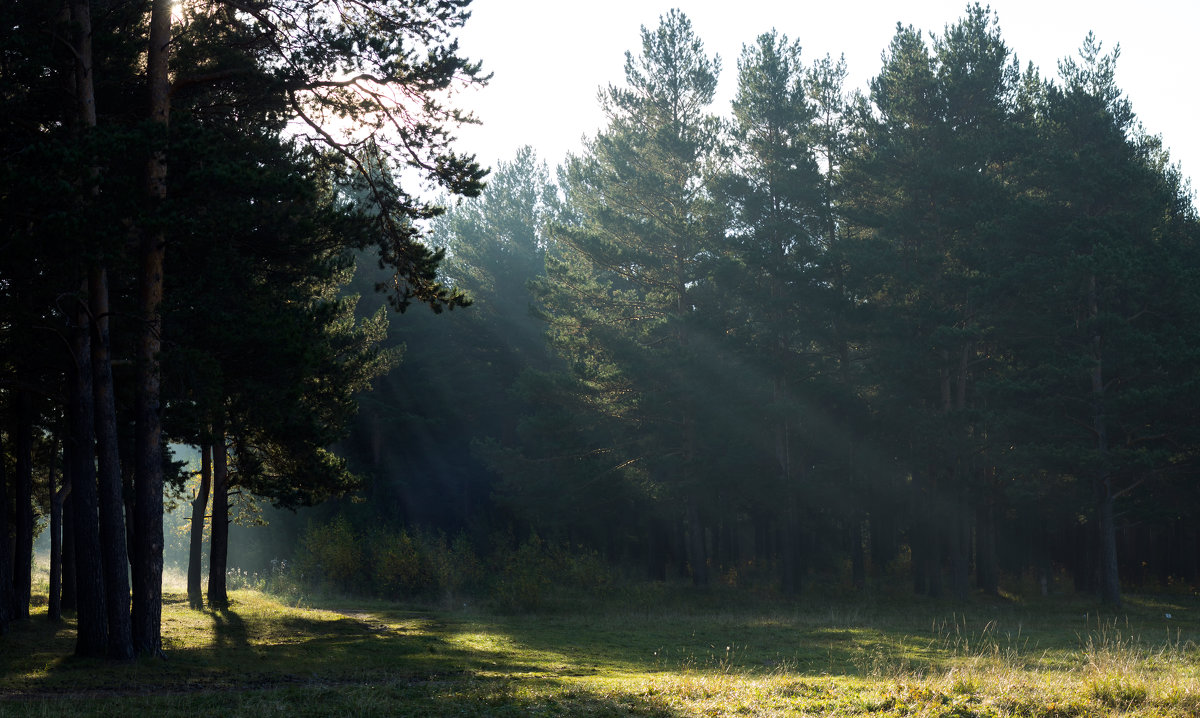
point(1110, 585)
point(92, 635)
point(218, 596)
point(959, 526)
point(23, 546)
point(148, 481)
point(7, 599)
point(917, 534)
point(657, 549)
point(985, 547)
point(858, 554)
point(789, 552)
point(196, 547)
point(112, 511)
point(697, 555)
point(59, 496)
point(883, 525)
point(70, 593)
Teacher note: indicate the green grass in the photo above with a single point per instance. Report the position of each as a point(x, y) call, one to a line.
point(655, 651)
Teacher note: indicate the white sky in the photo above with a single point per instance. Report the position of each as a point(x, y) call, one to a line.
point(549, 57)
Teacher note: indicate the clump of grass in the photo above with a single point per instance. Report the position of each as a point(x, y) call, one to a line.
point(280, 581)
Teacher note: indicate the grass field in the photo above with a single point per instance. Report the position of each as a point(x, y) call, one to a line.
point(655, 651)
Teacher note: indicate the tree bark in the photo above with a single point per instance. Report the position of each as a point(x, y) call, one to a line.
point(7, 599)
point(697, 555)
point(70, 592)
point(657, 549)
point(1110, 584)
point(23, 546)
point(790, 570)
point(858, 554)
point(114, 552)
point(148, 481)
point(959, 526)
point(58, 499)
point(986, 577)
point(92, 633)
point(196, 543)
point(218, 596)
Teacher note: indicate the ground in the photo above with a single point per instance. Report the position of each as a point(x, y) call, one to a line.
point(647, 651)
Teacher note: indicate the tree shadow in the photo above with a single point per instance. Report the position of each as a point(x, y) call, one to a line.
point(229, 630)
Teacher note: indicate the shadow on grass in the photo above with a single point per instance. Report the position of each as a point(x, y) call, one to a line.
point(806, 639)
point(398, 661)
point(239, 660)
point(229, 630)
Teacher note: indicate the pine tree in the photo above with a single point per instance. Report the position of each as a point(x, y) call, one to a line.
point(930, 185)
point(622, 295)
point(775, 193)
point(1105, 312)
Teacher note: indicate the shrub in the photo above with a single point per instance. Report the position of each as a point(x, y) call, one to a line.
point(330, 556)
point(522, 575)
point(395, 565)
point(527, 575)
point(453, 566)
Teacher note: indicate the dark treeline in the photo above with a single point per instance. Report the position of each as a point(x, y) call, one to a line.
point(946, 328)
point(183, 192)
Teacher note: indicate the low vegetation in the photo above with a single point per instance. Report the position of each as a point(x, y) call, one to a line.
point(642, 650)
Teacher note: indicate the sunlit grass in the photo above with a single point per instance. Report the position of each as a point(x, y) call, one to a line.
point(717, 654)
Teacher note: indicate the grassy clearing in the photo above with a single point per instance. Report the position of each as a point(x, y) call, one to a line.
point(653, 653)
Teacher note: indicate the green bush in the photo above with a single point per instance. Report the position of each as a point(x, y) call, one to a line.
point(527, 576)
point(395, 564)
point(522, 575)
point(331, 556)
point(385, 562)
point(453, 566)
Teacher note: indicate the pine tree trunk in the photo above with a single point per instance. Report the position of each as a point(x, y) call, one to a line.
point(986, 575)
point(933, 568)
point(59, 494)
point(196, 543)
point(112, 510)
point(1110, 585)
point(92, 633)
point(697, 555)
point(23, 546)
point(70, 592)
point(858, 556)
point(7, 599)
point(918, 539)
point(789, 554)
point(930, 564)
point(883, 527)
point(657, 550)
point(148, 473)
point(959, 526)
point(218, 596)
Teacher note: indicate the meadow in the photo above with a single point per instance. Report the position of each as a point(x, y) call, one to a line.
point(649, 650)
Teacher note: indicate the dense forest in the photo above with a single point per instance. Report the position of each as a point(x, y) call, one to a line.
point(184, 188)
point(944, 331)
point(939, 333)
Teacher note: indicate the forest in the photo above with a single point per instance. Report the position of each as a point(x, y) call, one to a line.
point(941, 333)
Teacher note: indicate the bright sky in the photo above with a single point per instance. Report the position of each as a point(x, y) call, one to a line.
point(550, 57)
